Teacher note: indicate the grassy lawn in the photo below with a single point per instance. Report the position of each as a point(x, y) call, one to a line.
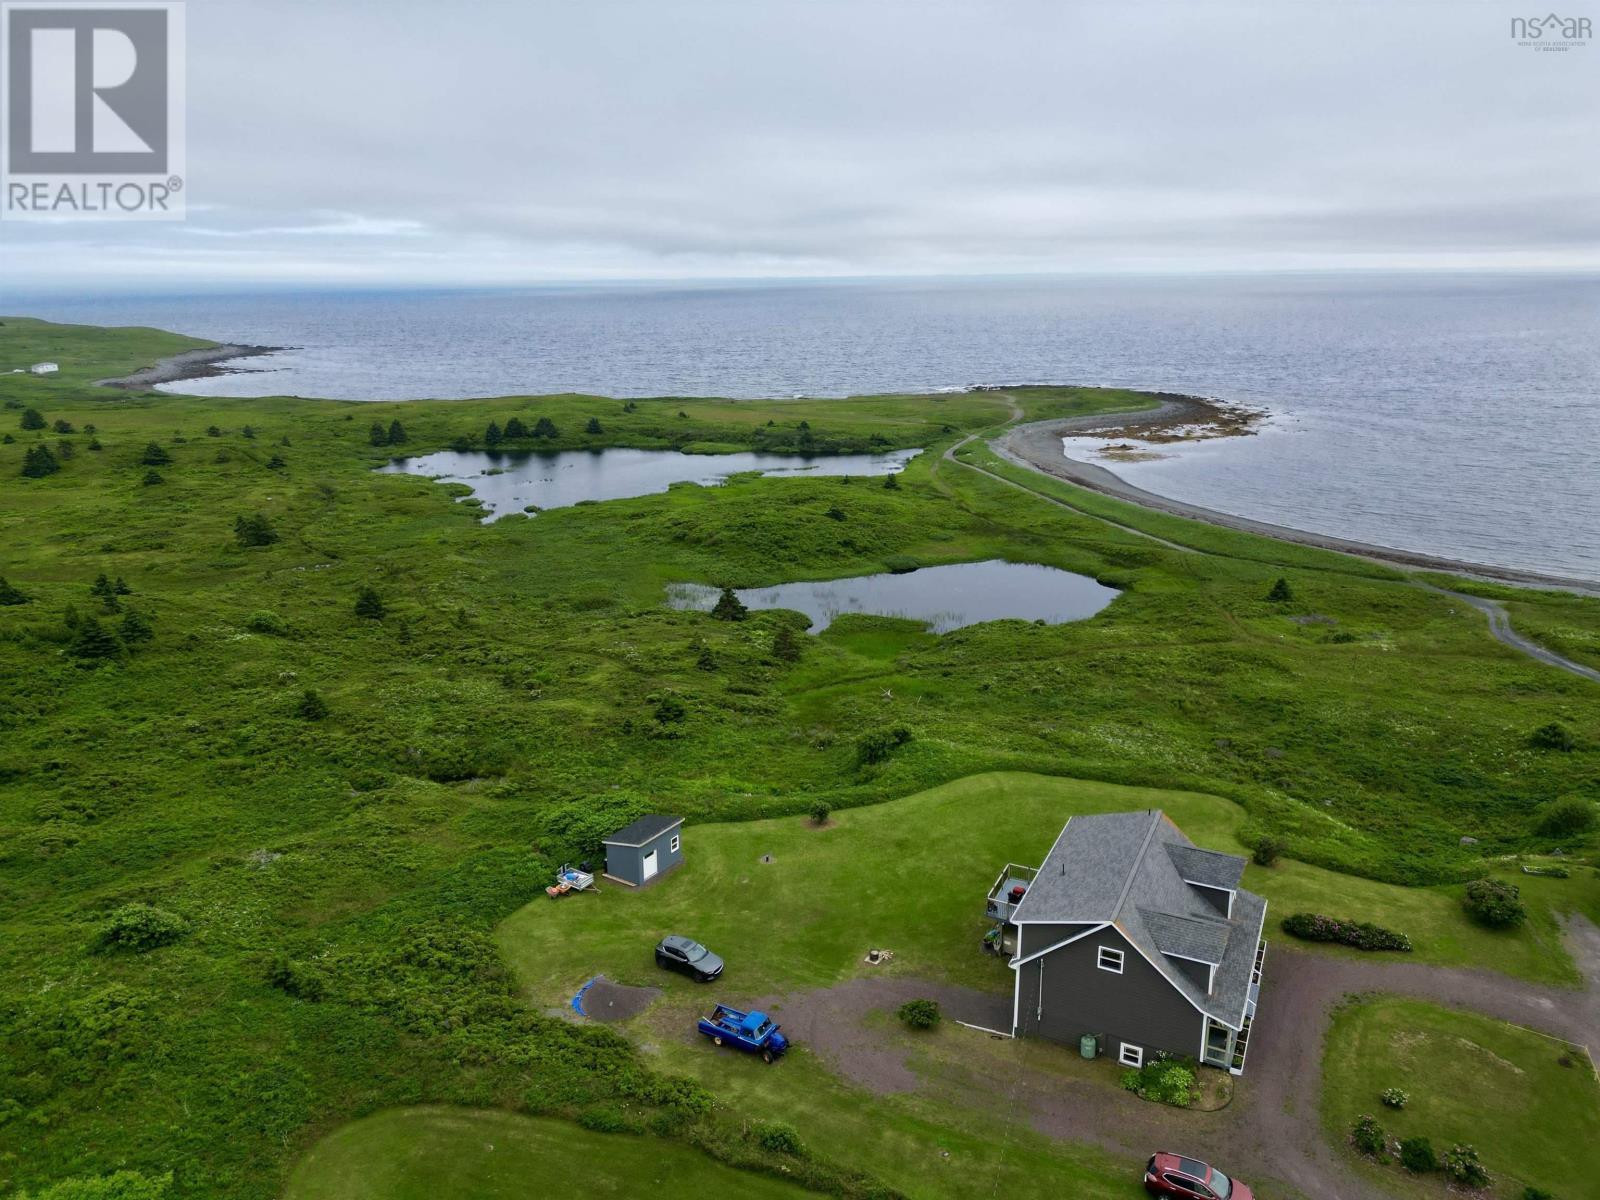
point(1471, 1079)
point(462, 1154)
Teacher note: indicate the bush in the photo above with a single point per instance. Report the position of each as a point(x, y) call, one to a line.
point(1267, 851)
point(820, 812)
point(266, 621)
point(920, 1014)
point(876, 745)
point(669, 710)
point(1554, 736)
point(138, 928)
point(1281, 591)
point(152, 478)
point(10, 595)
point(1533, 1193)
point(1495, 904)
point(1569, 817)
point(254, 530)
point(32, 418)
point(370, 605)
point(1368, 1136)
point(779, 1138)
point(123, 1185)
point(294, 979)
point(609, 1119)
point(1461, 1164)
point(1314, 927)
point(1164, 1080)
point(1416, 1154)
point(312, 706)
point(92, 640)
point(154, 455)
point(1395, 1098)
point(39, 462)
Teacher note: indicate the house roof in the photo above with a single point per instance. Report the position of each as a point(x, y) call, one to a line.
point(645, 829)
point(1137, 871)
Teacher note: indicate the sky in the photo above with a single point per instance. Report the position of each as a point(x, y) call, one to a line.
point(366, 143)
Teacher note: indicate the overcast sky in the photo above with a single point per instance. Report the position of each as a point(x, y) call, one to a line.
point(355, 142)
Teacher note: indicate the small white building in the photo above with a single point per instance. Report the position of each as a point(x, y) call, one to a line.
point(45, 368)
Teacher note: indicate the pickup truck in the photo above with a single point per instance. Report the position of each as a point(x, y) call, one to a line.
point(754, 1032)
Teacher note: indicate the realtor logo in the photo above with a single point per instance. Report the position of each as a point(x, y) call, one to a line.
point(93, 119)
point(1551, 32)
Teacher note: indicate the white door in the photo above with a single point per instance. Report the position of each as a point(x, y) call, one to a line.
point(650, 865)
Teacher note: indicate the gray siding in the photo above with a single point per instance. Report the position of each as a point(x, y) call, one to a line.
point(1033, 938)
point(627, 862)
point(1140, 1005)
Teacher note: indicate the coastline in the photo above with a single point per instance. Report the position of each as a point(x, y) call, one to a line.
point(1036, 446)
point(190, 364)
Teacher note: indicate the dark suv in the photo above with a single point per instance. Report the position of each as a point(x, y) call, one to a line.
point(689, 956)
point(1168, 1174)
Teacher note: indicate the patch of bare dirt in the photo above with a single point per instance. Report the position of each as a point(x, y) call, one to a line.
point(604, 1000)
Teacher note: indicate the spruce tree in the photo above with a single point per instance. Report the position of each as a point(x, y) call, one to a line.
point(135, 628)
point(248, 431)
point(254, 530)
point(516, 429)
point(369, 604)
point(544, 427)
point(705, 659)
point(39, 462)
point(1281, 591)
point(93, 640)
point(729, 607)
point(62, 425)
point(593, 427)
point(9, 595)
point(276, 463)
point(377, 435)
point(891, 482)
point(213, 431)
point(155, 456)
point(152, 477)
point(65, 450)
point(121, 587)
point(397, 434)
point(786, 645)
point(102, 586)
point(312, 706)
point(32, 419)
point(493, 436)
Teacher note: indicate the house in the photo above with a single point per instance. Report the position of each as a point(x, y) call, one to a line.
point(637, 853)
point(44, 368)
point(1130, 932)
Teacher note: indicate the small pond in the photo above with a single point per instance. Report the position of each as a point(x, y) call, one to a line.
point(943, 598)
point(509, 481)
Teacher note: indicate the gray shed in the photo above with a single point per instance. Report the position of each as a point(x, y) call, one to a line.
point(639, 852)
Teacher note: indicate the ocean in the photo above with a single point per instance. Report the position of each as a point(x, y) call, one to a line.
point(1450, 415)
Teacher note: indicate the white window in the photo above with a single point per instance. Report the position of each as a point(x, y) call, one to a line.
point(1110, 959)
point(674, 843)
point(1130, 1055)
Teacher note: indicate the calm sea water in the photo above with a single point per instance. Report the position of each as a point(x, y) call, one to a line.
point(1456, 416)
point(943, 598)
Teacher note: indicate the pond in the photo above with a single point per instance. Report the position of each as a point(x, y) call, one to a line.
point(943, 598)
point(509, 482)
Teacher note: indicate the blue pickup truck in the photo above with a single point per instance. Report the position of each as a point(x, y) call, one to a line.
point(754, 1032)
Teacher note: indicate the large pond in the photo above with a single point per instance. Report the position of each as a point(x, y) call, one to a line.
point(943, 598)
point(513, 481)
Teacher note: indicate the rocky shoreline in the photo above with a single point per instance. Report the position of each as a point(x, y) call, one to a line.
point(191, 364)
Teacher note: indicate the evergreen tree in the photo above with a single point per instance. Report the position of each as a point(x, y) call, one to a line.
point(8, 440)
point(213, 431)
point(544, 427)
point(630, 406)
point(248, 432)
point(804, 425)
point(492, 436)
point(729, 607)
point(369, 604)
point(135, 628)
point(786, 645)
point(61, 425)
point(312, 706)
point(93, 640)
point(155, 456)
point(9, 595)
point(39, 462)
point(151, 478)
point(70, 617)
point(891, 482)
point(377, 435)
point(89, 428)
point(254, 530)
point(65, 450)
point(516, 429)
point(32, 419)
point(102, 586)
point(94, 444)
point(1281, 591)
point(276, 463)
point(121, 587)
point(593, 427)
point(397, 434)
point(704, 659)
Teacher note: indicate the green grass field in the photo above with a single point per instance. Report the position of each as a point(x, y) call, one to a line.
point(1503, 1090)
point(462, 1154)
point(337, 879)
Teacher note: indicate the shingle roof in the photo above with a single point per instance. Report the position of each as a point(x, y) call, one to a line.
point(645, 829)
point(1131, 869)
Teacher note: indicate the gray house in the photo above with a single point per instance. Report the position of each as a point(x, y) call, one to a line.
point(1131, 932)
point(637, 853)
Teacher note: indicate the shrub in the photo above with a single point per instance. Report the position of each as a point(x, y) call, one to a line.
point(369, 604)
point(276, 463)
point(1461, 1164)
point(1281, 591)
point(1267, 851)
point(62, 425)
point(609, 1119)
point(266, 621)
point(593, 427)
point(786, 644)
point(312, 706)
point(876, 745)
point(32, 419)
point(151, 478)
point(10, 595)
point(920, 1014)
point(134, 628)
point(729, 607)
point(254, 530)
point(39, 462)
point(294, 979)
point(1314, 927)
point(123, 1185)
point(138, 928)
point(1554, 736)
point(1571, 816)
point(779, 1138)
point(892, 482)
point(669, 710)
point(1368, 1136)
point(1164, 1080)
point(820, 812)
point(1416, 1154)
point(154, 455)
point(1533, 1193)
point(1395, 1098)
point(1494, 903)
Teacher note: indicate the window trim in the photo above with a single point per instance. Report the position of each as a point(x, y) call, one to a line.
point(1122, 1055)
point(674, 844)
point(1100, 959)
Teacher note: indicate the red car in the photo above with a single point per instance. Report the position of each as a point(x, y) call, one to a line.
point(1168, 1174)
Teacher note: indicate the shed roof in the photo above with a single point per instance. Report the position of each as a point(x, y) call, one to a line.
point(646, 829)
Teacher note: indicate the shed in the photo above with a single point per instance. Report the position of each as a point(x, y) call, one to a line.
point(637, 853)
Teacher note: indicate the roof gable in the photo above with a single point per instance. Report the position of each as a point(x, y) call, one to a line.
point(645, 829)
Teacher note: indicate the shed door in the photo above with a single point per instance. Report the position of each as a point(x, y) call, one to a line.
point(649, 865)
